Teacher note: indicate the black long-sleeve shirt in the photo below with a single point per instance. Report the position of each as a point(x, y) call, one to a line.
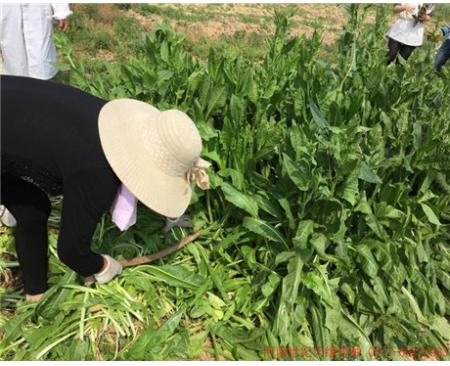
point(49, 136)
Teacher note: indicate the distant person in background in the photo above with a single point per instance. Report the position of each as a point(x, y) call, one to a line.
point(408, 31)
point(444, 52)
point(26, 38)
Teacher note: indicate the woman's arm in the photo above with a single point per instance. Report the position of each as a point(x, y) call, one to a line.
point(60, 12)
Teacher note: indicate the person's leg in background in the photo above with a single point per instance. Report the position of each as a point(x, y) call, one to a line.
point(12, 42)
point(443, 55)
point(405, 51)
point(394, 48)
point(31, 208)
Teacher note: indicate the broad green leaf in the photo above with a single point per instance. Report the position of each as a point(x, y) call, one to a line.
point(430, 214)
point(194, 80)
point(291, 281)
point(216, 99)
point(215, 301)
point(239, 199)
point(284, 257)
point(413, 303)
point(175, 276)
point(165, 52)
point(271, 285)
point(265, 230)
point(151, 338)
point(296, 172)
point(304, 230)
point(368, 261)
point(367, 174)
point(237, 109)
point(287, 209)
point(322, 123)
point(351, 189)
point(13, 327)
point(441, 325)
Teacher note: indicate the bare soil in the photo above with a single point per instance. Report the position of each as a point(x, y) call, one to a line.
point(227, 19)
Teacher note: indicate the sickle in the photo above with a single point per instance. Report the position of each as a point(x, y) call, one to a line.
point(152, 257)
point(162, 253)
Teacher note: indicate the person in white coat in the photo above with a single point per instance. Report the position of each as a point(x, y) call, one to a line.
point(26, 38)
point(408, 31)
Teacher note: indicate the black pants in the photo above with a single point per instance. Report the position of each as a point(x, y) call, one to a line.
point(31, 208)
point(396, 48)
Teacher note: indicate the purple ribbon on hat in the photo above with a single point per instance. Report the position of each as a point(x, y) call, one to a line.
point(123, 209)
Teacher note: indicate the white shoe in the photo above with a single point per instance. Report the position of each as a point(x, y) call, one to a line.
point(6, 217)
point(113, 268)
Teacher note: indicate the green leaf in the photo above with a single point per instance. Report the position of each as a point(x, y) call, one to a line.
point(194, 80)
point(304, 230)
point(284, 257)
point(271, 285)
point(265, 230)
point(413, 303)
point(216, 99)
point(368, 261)
point(367, 174)
point(239, 199)
point(351, 188)
point(165, 52)
point(13, 328)
point(164, 75)
point(150, 338)
point(316, 283)
point(287, 209)
point(322, 123)
point(296, 172)
point(291, 281)
point(77, 351)
point(237, 109)
point(176, 276)
point(215, 301)
point(430, 214)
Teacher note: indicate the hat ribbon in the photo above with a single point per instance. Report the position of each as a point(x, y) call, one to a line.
point(197, 173)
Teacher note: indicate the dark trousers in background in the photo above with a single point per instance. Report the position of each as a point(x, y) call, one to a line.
point(443, 55)
point(396, 48)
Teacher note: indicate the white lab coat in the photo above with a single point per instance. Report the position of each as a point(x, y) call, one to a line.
point(406, 30)
point(25, 38)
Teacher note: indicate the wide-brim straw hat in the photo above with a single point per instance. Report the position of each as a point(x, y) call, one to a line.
point(156, 154)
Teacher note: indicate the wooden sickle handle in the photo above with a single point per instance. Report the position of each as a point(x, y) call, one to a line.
point(150, 258)
point(162, 253)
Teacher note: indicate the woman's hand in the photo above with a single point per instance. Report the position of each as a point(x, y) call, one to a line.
point(182, 221)
point(63, 25)
point(408, 8)
point(111, 268)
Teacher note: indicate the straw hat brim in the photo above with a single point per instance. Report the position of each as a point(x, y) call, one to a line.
point(122, 124)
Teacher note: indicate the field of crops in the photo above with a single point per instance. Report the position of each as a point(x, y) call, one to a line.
point(325, 234)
